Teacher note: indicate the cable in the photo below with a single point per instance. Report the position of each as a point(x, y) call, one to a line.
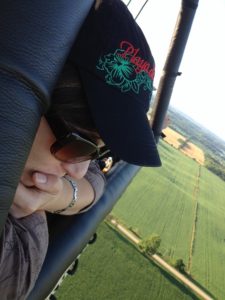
point(129, 2)
point(140, 9)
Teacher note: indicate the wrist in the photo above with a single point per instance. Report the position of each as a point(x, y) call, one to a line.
point(73, 200)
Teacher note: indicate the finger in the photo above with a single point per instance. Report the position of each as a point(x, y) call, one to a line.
point(47, 183)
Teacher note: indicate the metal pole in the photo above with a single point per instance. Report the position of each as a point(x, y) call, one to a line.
point(170, 70)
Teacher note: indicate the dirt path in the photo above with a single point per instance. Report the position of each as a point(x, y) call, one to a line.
point(164, 264)
point(195, 199)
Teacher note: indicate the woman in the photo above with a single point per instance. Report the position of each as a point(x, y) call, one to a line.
point(44, 187)
point(116, 69)
point(43, 184)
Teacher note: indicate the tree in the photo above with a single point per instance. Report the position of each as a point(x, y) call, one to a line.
point(180, 265)
point(151, 244)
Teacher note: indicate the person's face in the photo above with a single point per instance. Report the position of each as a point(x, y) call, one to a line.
point(41, 160)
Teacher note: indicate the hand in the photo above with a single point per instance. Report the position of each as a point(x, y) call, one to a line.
point(49, 192)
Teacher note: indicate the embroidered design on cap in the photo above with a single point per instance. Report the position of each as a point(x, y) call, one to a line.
point(127, 71)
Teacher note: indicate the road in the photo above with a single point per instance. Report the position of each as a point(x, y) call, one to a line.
point(164, 264)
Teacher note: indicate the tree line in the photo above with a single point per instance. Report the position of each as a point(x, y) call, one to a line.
point(215, 166)
point(150, 246)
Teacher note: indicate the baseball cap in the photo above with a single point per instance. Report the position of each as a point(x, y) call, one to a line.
point(117, 71)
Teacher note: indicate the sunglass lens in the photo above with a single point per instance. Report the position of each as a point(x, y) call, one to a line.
point(75, 151)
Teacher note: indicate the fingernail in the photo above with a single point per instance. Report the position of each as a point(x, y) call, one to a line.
point(41, 178)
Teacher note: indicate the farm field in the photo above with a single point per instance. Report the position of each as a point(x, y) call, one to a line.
point(208, 264)
point(169, 201)
point(184, 145)
point(160, 200)
point(112, 268)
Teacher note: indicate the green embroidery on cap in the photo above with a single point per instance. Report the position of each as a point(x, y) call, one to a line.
point(122, 73)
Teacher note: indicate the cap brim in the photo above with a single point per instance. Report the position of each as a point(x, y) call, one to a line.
point(124, 129)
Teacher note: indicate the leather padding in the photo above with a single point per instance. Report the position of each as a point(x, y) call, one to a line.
point(35, 39)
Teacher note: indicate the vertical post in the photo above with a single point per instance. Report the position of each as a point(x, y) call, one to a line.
point(170, 70)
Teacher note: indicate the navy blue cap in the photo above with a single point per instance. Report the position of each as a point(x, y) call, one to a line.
point(117, 71)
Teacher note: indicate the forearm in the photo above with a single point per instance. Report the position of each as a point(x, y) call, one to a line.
point(97, 180)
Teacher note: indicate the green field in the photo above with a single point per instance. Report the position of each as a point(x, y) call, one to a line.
point(113, 269)
point(163, 201)
point(209, 251)
point(160, 200)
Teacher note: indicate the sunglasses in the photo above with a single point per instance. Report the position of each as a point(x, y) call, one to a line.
point(72, 148)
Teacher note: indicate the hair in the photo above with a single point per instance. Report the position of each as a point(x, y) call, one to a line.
point(97, 4)
point(69, 104)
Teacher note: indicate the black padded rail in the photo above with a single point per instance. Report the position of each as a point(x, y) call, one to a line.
point(35, 38)
point(69, 235)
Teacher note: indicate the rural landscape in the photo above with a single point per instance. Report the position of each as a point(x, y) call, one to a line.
point(181, 206)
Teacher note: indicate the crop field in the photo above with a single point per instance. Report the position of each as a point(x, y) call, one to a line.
point(185, 204)
point(181, 142)
point(112, 268)
point(208, 264)
point(160, 200)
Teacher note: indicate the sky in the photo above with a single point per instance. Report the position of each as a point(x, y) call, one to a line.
point(199, 91)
